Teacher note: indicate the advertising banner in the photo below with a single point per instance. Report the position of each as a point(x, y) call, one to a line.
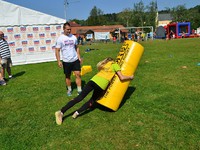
point(32, 44)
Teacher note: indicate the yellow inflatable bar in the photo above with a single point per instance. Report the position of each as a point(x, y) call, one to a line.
point(128, 59)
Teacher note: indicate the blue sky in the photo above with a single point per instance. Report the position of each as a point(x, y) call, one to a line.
point(80, 9)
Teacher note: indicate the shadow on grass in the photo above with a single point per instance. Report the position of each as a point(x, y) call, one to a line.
point(127, 95)
point(19, 74)
point(16, 75)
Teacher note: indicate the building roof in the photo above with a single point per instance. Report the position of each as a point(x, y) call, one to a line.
point(104, 28)
point(74, 24)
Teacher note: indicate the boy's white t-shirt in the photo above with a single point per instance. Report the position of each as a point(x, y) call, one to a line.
point(67, 45)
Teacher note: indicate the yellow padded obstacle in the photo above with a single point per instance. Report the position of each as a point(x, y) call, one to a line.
point(85, 69)
point(128, 59)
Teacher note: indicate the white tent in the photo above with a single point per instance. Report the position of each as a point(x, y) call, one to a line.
point(31, 34)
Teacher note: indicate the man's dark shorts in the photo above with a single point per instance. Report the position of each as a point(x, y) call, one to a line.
point(71, 66)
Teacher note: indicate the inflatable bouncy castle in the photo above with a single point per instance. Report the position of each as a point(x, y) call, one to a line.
point(180, 29)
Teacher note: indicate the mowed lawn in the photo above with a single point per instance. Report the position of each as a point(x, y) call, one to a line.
point(160, 110)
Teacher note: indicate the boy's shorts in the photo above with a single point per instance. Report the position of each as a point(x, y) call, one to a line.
point(6, 62)
point(0, 64)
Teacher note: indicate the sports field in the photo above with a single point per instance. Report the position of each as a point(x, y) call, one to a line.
point(160, 110)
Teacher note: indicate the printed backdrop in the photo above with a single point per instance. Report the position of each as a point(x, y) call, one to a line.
point(32, 44)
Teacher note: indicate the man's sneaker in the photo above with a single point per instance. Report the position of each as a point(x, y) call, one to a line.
point(75, 115)
point(59, 116)
point(2, 82)
point(69, 93)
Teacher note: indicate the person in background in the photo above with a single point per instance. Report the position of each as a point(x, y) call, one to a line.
point(171, 34)
point(183, 35)
point(71, 59)
point(98, 84)
point(114, 39)
point(5, 55)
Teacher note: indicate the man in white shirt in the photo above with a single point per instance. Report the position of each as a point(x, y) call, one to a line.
point(71, 61)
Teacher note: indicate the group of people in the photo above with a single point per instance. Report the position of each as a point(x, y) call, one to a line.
point(71, 62)
point(5, 60)
point(172, 35)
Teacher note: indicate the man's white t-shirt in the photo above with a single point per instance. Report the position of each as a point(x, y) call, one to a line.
point(67, 45)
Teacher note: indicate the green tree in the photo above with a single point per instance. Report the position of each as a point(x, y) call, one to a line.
point(111, 19)
point(179, 13)
point(194, 16)
point(96, 17)
point(138, 14)
point(125, 16)
point(152, 15)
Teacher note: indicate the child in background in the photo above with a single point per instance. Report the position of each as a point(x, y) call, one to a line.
point(5, 55)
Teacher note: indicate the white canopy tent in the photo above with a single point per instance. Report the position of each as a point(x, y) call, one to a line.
point(31, 34)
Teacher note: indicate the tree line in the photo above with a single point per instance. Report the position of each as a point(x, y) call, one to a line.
point(141, 15)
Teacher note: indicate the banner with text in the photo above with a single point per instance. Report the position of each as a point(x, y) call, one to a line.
point(32, 44)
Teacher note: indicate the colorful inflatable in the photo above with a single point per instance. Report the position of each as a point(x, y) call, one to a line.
point(128, 59)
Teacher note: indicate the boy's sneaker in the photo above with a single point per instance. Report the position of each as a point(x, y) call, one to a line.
point(75, 115)
point(10, 77)
point(2, 82)
point(58, 116)
point(5, 79)
point(69, 93)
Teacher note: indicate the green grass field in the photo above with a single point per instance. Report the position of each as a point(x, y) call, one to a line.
point(160, 110)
